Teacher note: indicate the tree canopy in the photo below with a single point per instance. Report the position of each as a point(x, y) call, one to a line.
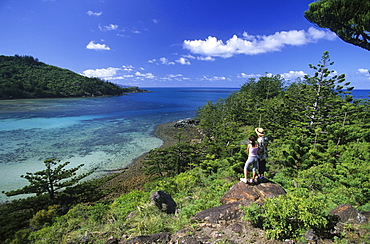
point(27, 77)
point(349, 19)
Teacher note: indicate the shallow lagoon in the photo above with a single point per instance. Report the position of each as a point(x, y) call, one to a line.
point(103, 132)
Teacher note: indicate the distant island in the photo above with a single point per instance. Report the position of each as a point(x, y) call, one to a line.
point(27, 77)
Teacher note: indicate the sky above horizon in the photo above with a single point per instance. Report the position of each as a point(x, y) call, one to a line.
point(177, 43)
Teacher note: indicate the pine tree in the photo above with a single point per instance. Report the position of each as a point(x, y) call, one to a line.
point(50, 179)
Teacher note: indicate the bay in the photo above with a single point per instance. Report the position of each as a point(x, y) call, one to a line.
point(103, 132)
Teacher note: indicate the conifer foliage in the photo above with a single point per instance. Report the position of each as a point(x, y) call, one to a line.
point(51, 179)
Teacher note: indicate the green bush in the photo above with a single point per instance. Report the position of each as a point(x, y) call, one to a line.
point(290, 216)
point(44, 217)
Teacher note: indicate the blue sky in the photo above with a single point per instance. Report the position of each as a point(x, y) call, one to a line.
point(176, 43)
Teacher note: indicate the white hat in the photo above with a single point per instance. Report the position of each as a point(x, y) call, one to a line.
point(260, 131)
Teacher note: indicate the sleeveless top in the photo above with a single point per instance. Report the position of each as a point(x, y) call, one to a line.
point(253, 151)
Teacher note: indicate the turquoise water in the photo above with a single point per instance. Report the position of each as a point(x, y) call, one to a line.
point(103, 132)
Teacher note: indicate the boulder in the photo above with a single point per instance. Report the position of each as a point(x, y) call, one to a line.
point(221, 213)
point(164, 202)
point(245, 194)
point(269, 190)
point(240, 194)
point(186, 122)
point(347, 213)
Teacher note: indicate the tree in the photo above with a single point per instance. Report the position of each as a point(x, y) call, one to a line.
point(171, 161)
point(349, 19)
point(50, 179)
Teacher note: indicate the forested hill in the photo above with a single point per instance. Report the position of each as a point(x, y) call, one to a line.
point(27, 77)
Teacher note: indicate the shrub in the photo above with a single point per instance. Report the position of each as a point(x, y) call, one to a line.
point(44, 217)
point(290, 216)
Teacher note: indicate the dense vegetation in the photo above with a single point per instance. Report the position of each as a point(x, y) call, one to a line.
point(26, 77)
point(319, 153)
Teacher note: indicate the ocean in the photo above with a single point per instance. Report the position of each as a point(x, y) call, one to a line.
point(103, 132)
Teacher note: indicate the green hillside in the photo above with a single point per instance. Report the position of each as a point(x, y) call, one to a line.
point(26, 77)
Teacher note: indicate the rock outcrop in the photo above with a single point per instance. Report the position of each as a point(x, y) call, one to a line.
point(245, 194)
point(186, 122)
point(347, 214)
point(221, 223)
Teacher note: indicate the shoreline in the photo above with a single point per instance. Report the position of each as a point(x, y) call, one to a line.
point(133, 176)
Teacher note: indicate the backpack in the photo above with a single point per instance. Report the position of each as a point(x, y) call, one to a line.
point(262, 144)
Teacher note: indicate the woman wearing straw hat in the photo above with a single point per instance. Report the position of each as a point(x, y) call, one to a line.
point(262, 144)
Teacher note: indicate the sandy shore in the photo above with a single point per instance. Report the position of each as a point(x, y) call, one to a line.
point(133, 177)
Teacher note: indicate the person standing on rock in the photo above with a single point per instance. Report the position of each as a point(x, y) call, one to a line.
point(262, 144)
point(253, 151)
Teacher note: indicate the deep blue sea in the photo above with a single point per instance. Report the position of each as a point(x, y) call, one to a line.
point(104, 132)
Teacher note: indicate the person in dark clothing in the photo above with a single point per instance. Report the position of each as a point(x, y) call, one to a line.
point(262, 142)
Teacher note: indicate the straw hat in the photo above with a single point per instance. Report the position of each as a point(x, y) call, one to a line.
point(260, 131)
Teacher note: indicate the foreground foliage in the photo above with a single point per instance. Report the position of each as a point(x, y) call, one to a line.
point(290, 216)
point(132, 214)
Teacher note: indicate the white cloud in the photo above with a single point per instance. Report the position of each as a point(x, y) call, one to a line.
point(128, 68)
point(292, 75)
point(108, 27)
point(146, 76)
point(171, 77)
point(208, 58)
point(127, 72)
point(166, 61)
point(364, 71)
point(247, 76)
point(213, 78)
point(91, 13)
point(183, 61)
point(174, 75)
point(97, 46)
point(319, 34)
point(101, 73)
point(121, 77)
point(252, 45)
